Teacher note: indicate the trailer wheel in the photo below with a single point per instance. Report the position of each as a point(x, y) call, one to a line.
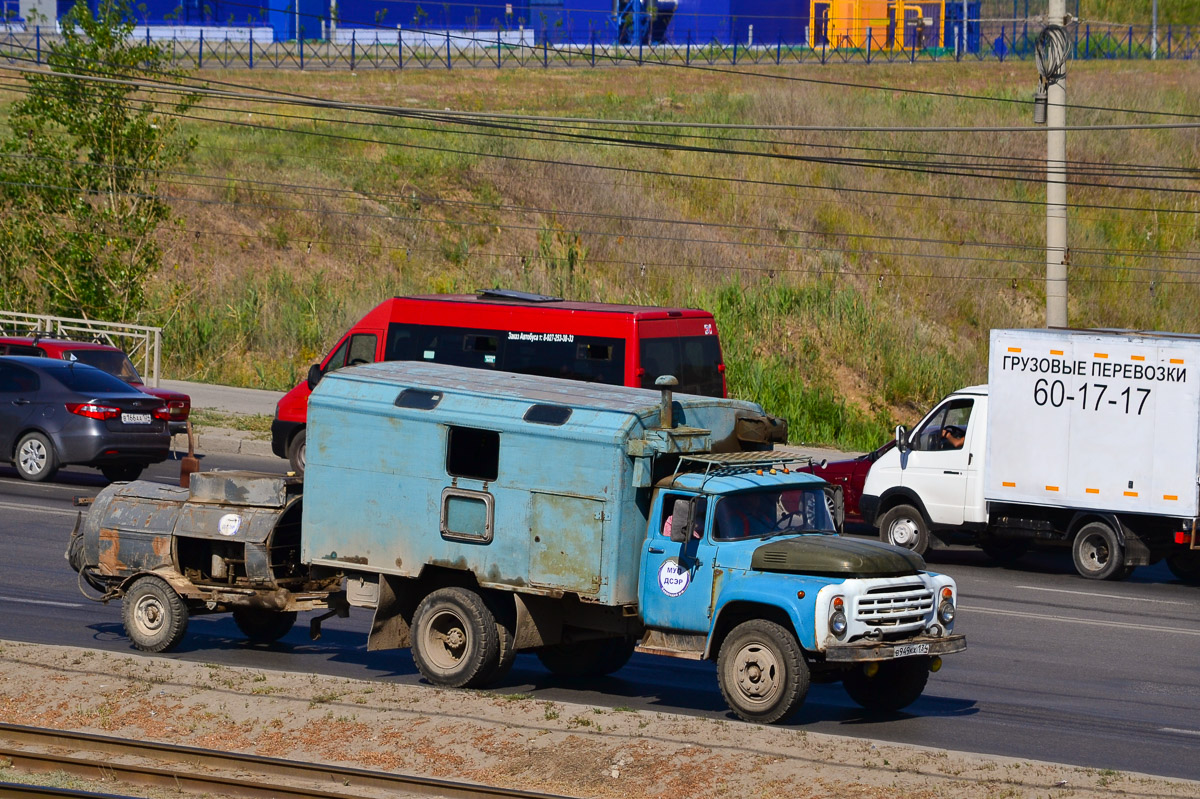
point(596, 658)
point(1097, 553)
point(155, 617)
point(889, 685)
point(762, 672)
point(904, 526)
point(455, 640)
point(262, 626)
point(297, 452)
point(35, 458)
point(1185, 566)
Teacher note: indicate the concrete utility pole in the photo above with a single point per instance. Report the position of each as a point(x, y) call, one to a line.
point(1052, 66)
point(1154, 30)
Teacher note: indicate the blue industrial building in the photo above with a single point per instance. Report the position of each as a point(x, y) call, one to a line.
point(698, 22)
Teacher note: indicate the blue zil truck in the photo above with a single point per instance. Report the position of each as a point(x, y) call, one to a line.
point(478, 515)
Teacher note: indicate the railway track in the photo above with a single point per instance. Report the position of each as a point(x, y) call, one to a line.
point(196, 770)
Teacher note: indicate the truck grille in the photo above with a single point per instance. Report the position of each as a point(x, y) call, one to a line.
point(894, 606)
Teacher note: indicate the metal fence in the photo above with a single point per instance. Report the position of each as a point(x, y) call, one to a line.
point(367, 49)
point(142, 344)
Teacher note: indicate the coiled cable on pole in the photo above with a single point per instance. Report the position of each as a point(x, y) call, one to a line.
point(1050, 54)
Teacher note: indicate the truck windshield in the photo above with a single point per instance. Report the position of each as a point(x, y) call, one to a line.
point(758, 514)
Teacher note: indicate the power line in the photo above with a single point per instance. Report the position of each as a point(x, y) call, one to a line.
point(294, 99)
point(765, 75)
point(297, 189)
point(858, 190)
point(620, 235)
point(767, 271)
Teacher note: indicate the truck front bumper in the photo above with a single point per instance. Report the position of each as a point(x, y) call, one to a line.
point(860, 651)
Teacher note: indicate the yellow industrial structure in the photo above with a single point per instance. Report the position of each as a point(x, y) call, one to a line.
point(892, 23)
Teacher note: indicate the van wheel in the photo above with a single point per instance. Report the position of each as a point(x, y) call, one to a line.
point(264, 626)
point(155, 617)
point(1097, 553)
point(455, 642)
point(903, 526)
point(297, 452)
point(35, 458)
point(887, 686)
point(762, 672)
point(1185, 566)
point(596, 658)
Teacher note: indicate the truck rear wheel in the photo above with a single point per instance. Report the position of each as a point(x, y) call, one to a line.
point(887, 686)
point(1097, 553)
point(596, 658)
point(1185, 566)
point(904, 526)
point(263, 626)
point(155, 617)
point(762, 672)
point(456, 642)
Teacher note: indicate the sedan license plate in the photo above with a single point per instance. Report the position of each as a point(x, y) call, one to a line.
point(135, 418)
point(907, 650)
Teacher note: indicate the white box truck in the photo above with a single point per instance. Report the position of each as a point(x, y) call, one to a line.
point(1088, 439)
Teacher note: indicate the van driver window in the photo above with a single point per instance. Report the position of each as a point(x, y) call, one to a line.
point(946, 429)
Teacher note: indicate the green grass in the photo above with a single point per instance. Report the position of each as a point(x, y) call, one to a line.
point(843, 335)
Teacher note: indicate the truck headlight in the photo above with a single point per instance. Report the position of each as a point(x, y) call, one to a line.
point(837, 616)
point(946, 608)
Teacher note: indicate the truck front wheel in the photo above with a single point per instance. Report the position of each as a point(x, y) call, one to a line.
point(1097, 553)
point(155, 617)
point(887, 686)
point(904, 526)
point(263, 626)
point(455, 640)
point(762, 672)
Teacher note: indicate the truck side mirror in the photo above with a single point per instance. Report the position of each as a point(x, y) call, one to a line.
point(902, 438)
point(682, 519)
point(314, 376)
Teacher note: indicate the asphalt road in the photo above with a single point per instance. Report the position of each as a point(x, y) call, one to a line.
point(1057, 668)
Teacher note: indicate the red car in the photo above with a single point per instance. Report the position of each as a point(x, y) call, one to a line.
point(850, 474)
point(106, 358)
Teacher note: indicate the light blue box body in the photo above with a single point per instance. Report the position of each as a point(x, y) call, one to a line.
point(569, 500)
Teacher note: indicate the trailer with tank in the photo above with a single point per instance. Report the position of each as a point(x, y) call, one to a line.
point(478, 515)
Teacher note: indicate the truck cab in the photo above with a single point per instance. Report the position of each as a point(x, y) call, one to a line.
point(742, 564)
point(930, 485)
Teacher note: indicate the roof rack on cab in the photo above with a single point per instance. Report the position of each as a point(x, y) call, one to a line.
point(523, 296)
point(725, 463)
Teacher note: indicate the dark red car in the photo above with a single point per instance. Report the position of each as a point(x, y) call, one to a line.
point(106, 358)
point(850, 474)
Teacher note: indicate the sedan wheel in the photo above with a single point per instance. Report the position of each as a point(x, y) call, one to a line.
point(35, 458)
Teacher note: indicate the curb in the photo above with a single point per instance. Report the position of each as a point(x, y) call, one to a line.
point(219, 440)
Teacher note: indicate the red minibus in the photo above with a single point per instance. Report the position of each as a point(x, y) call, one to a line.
point(513, 331)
